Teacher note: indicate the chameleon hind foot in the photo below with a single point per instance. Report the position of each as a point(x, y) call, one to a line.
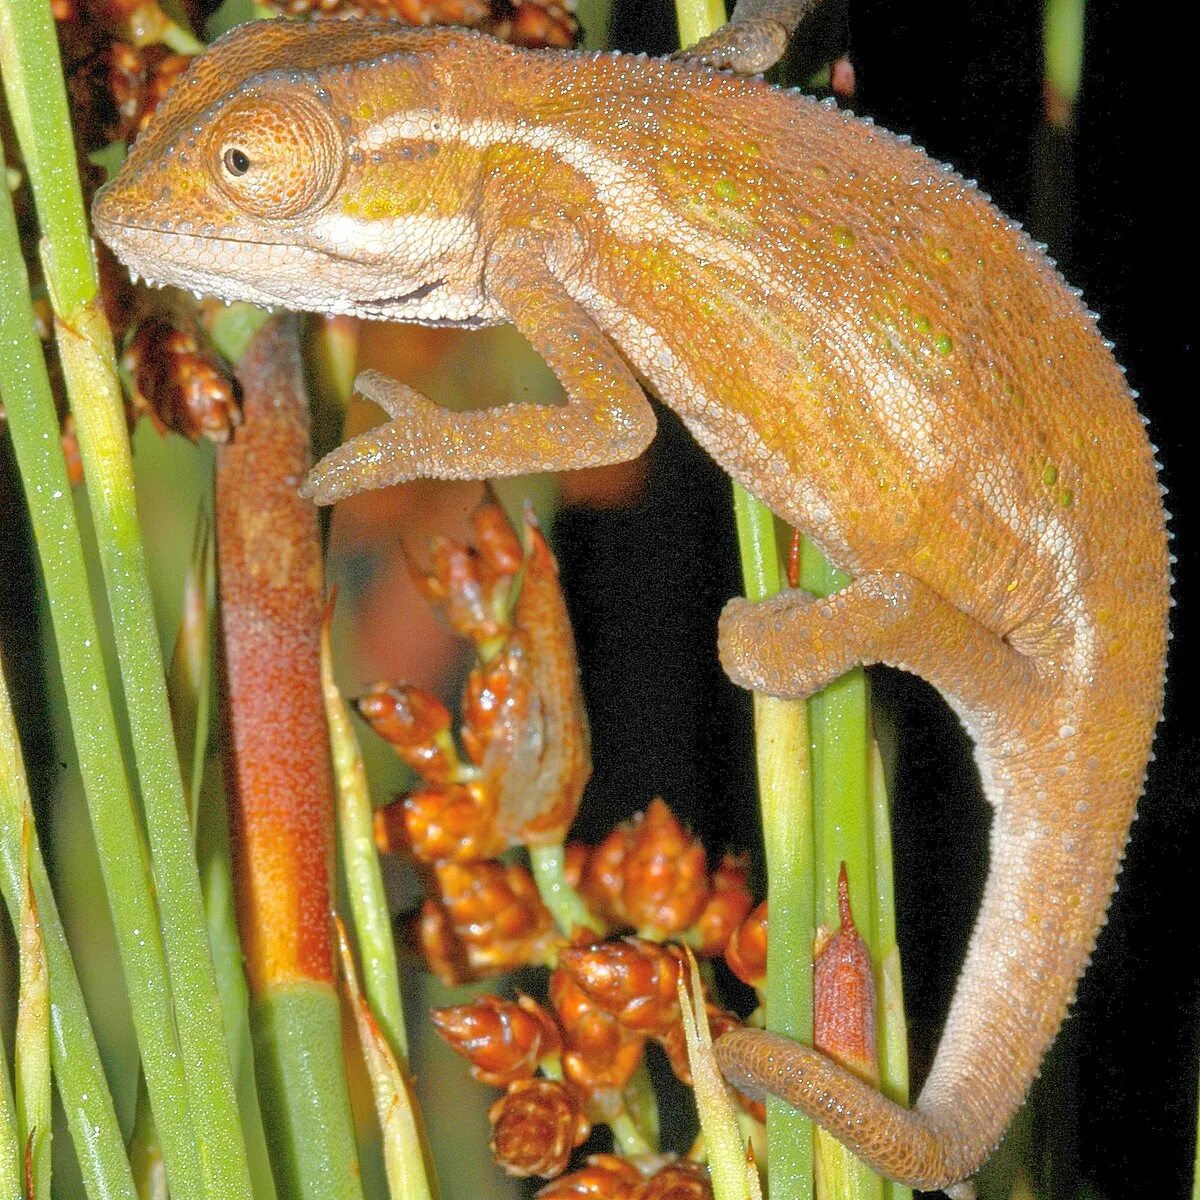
point(793, 644)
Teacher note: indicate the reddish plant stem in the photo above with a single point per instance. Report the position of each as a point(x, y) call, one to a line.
point(272, 596)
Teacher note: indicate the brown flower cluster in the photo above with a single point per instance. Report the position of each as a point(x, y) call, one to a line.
point(540, 1120)
point(524, 760)
point(609, 1177)
point(513, 776)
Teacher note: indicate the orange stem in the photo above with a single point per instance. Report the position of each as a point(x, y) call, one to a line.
point(272, 596)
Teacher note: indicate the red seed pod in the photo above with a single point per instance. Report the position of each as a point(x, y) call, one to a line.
point(417, 724)
point(666, 873)
point(602, 1054)
point(178, 384)
point(503, 1040)
point(536, 24)
point(455, 823)
point(746, 953)
point(496, 911)
point(439, 945)
point(575, 857)
point(603, 1177)
point(499, 547)
point(682, 1180)
point(535, 1126)
point(603, 881)
point(728, 904)
point(473, 599)
point(633, 979)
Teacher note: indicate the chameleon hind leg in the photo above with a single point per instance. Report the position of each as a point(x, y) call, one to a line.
point(606, 418)
point(792, 645)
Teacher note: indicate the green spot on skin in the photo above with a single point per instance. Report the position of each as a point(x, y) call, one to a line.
point(726, 189)
point(1067, 498)
point(944, 343)
point(844, 237)
point(922, 323)
point(751, 149)
point(943, 255)
point(1050, 475)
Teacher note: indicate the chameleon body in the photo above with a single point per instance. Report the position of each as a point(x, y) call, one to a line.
point(851, 330)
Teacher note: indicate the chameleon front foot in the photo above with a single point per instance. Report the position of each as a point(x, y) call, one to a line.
point(749, 48)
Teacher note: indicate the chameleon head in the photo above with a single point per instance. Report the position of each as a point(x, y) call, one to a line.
point(285, 168)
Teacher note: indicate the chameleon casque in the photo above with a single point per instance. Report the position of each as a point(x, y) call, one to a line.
point(850, 329)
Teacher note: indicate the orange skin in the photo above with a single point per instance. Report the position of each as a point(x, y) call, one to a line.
point(852, 331)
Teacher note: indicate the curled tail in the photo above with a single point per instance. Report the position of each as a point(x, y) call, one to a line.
point(1057, 841)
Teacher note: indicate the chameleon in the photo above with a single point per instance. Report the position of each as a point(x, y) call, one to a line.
point(851, 330)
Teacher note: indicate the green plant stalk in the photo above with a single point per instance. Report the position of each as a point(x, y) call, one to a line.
point(89, 368)
point(547, 865)
point(360, 865)
point(782, 753)
point(216, 878)
point(297, 1029)
point(406, 1151)
point(190, 686)
point(733, 1175)
point(74, 1057)
point(12, 1177)
point(34, 429)
point(1062, 41)
point(32, 1050)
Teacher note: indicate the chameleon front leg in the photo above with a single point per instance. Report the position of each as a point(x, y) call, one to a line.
point(754, 39)
point(606, 418)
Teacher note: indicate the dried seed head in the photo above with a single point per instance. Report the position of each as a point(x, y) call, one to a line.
point(455, 823)
point(746, 953)
point(503, 1041)
point(535, 1126)
point(417, 725)
point(495, 910)
point(602, 1054)
point(633, 979)
point(728, 904)
point(681, 1180)
point(603, 1177)
point(666, 873)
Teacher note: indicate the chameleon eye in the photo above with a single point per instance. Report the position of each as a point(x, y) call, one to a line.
point(236, 161)
point(277, 153)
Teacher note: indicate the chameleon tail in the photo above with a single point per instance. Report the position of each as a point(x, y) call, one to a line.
point(1055, 858)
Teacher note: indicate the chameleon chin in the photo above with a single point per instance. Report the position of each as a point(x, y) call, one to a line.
point(849, 328)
